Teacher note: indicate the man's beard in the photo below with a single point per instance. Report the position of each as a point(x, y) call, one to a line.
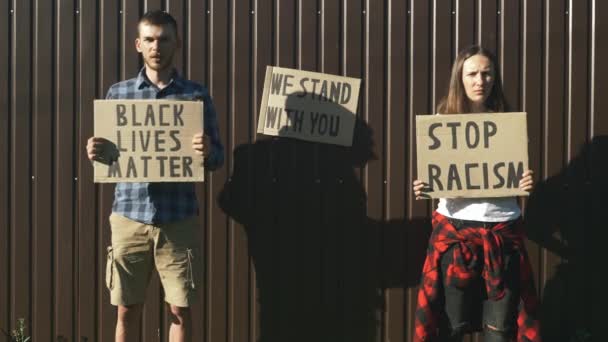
point(164, 64)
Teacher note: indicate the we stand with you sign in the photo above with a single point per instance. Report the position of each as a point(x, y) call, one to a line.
point(150, 141)
point(472, 155)
point(309, 106)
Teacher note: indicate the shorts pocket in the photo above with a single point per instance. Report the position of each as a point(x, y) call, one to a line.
point(110, 268)
point(191, 268)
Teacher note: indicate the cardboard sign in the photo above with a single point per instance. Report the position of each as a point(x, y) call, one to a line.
point(309, 106)
point(151, 141)
point(472, 155)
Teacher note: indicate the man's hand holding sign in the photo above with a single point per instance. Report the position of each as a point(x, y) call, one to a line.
point(472, 155)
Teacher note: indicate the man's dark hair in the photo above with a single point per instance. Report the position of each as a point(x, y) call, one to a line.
point(158, 18)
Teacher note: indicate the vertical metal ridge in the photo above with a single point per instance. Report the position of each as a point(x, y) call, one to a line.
point(42, 175)
point(6, 17)
point(592, 61)
point(21, 191)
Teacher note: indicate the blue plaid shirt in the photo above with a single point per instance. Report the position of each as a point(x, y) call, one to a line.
point(155, 203)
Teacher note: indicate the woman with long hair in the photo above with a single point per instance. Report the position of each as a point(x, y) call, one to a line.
point(476, 275)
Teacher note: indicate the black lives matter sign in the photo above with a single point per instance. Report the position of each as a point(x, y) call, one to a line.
point(150, 140)
point(309, 106)
point(472, 155)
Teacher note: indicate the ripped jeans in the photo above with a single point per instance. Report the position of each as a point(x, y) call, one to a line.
point(466, 307)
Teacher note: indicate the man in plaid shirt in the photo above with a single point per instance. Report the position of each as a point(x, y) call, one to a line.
point(153, 224)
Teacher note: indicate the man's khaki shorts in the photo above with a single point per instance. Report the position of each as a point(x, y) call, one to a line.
point(137, 248)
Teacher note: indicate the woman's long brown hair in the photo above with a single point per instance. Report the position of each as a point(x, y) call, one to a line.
point(456, 102)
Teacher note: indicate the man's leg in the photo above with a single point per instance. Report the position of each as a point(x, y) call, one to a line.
point(177, 266)
point(127, 323)
point(181, 324)
point(128, 269)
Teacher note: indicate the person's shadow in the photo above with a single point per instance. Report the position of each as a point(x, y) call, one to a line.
point(316, 253)
point(563, 216)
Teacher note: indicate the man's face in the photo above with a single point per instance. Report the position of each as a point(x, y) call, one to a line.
point(157, 45)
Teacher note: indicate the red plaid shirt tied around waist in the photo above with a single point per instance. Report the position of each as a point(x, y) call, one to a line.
point(469, 240)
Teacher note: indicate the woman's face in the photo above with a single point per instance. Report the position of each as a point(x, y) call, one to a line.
point(478, 79)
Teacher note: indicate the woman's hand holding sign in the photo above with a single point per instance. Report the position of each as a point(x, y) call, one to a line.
point(526, 183)
point(419, 188)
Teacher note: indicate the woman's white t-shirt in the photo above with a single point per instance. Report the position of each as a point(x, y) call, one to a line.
point(496, 209)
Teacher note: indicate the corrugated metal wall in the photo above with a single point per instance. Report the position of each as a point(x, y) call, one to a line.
point(329, 243)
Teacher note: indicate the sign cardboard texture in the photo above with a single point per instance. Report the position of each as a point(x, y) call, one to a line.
point(472, 155)
point(151, 141)
point(309, 106)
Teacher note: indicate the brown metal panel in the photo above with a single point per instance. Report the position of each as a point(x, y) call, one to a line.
point(361, 299)
point(599, 102)
point(334, 193)
point(150, 5)
point(215, 220)
point(196, 34)
point(374, 107)
point(177, 8)
point(509, 52)
point(42, 213)
point(419, 103)
point(353, 20)
point(86, 70)
point(578, 76)
point(96, 217)
point(240, 122)
point(531, 102)
point(486, 25)
point(21, 120)
point(599, 133)
point(330, 36)
point(443, 51)
point(554, 123)
point(285, 33)
point(465, 23)
point(374, 114)
point(393, 258)
point(309, 34)
point(300, 183)
point(64, 181)
point(555, 41)
point(130, 60)
point(532, 79)
point(576, 228)
point(328, 51)
point(6, 16)
point(260, 235)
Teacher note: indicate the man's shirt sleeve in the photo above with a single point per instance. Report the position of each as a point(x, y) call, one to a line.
point(109, 94)
point(216, 158)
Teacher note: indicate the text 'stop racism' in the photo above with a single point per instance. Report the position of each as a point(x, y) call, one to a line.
point(472, 155)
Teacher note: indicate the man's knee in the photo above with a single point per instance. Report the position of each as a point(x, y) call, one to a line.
point(129, 314)
point(179, 315)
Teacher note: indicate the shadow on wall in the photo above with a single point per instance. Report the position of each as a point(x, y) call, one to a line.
point(320, 262)
point(563, 217)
